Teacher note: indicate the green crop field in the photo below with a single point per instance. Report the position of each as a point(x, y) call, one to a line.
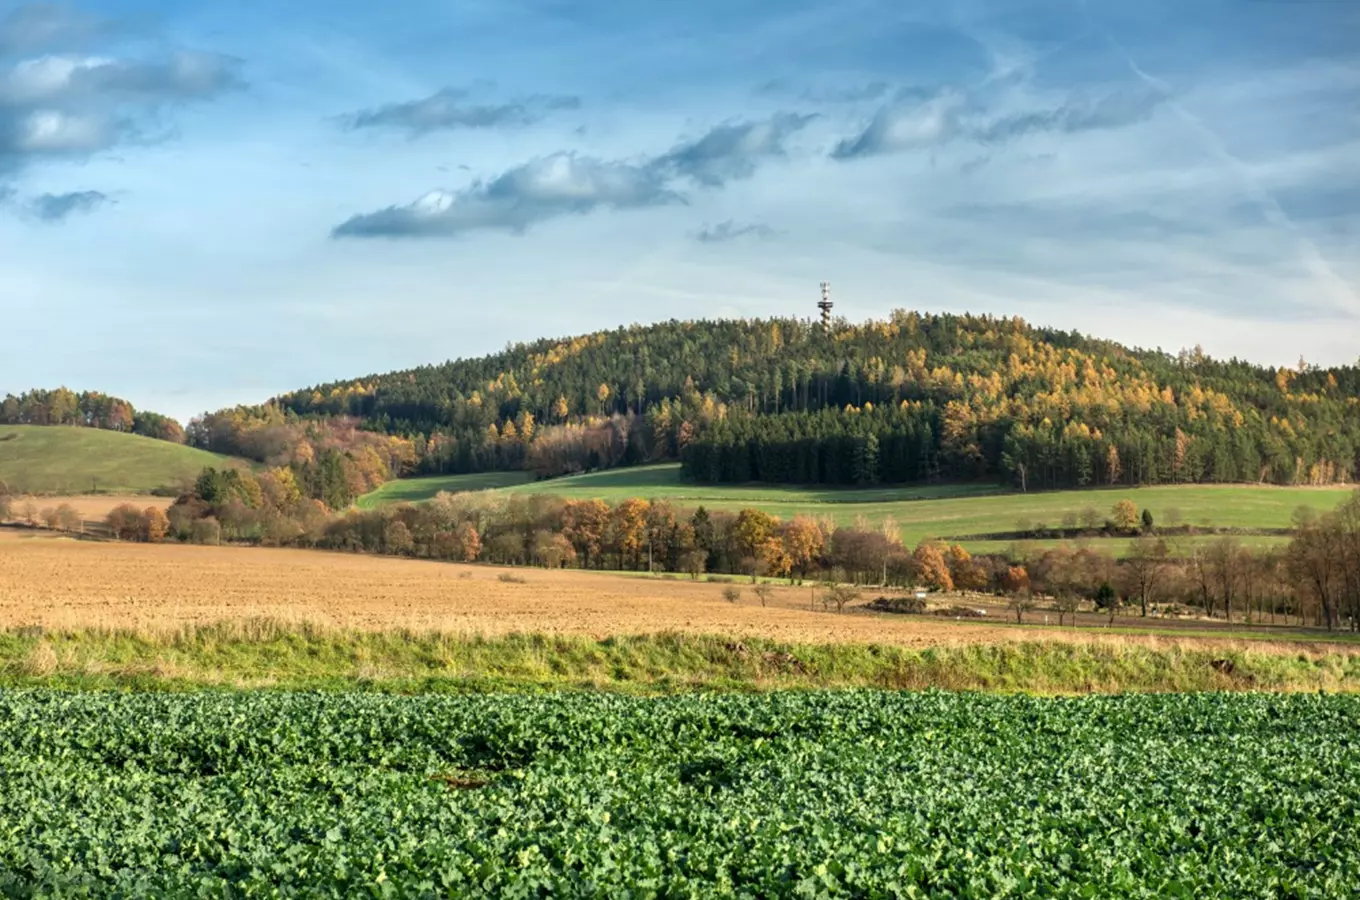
point(947, 511)
point(414, 490)
point(855, 794)
point(50, 459)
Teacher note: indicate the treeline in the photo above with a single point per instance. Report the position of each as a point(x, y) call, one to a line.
point(1315, 579)
point(908, 442)
point(635, 534)
point(784, 399)
point(88, 409)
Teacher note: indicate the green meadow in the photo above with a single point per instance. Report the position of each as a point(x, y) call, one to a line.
point(49, 459)
point(920, 511)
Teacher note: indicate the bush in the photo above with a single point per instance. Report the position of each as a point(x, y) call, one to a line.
point(68, 519)
point(206, 531)
point(731, 594)
point(961, 612)
point(511, 578)
point(155, 525)
point(125, 522)
point(912, 605)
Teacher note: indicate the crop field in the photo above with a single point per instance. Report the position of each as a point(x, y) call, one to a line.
point(45, 459)
point(948, 511)
point(856, 793)
point(62, 583)
point(96, 614)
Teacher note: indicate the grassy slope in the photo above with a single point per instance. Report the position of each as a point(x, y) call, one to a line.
point(950, 510)
point(264, 654)
point(38, 459)
point(414, 490)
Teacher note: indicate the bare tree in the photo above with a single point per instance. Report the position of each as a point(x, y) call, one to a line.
point(1021, 603)
point(1144, 569)
point(763, 593)
point(1224, 570)
point(68, 519)
point(1067, 603)
point(694, 562)
point(840, 596)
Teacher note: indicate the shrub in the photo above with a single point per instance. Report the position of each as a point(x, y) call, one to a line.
point(840, 596)
point(960, 612)
point(731, 594)
point(154, 525)
point(511, 578)
point(206, 531)
point(125, 522)
point(912, 604)
point(68, 519)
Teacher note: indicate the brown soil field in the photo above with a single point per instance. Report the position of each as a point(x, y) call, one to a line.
point(66, 583)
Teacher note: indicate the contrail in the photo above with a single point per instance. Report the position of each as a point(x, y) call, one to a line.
point(1309, 256)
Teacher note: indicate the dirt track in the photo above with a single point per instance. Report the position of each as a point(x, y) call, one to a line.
point(62, 582)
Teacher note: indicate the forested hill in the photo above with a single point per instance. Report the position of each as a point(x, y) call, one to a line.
point(914, 397)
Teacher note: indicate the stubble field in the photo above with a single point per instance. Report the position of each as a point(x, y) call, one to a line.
point(63, 583)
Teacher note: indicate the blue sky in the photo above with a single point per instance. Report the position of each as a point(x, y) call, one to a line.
point(210, 203)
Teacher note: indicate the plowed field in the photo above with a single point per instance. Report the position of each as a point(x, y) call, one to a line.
point(65, 583)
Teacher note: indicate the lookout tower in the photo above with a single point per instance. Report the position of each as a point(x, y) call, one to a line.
point(825, 304)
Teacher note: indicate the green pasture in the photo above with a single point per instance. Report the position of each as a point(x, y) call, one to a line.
point(938, 511)
point(414, 490)
point(57, 459)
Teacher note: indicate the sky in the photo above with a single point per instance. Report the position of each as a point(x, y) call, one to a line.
point(212, 203)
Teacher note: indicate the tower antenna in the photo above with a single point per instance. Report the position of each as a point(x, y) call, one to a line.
point(826, 304)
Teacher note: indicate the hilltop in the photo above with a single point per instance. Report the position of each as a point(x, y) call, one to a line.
point(914, 398)
point(58, 459)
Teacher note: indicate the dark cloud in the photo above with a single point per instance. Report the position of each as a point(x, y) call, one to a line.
point(1111, 111)
point(64, 82)
point(733, 150)
point(565, 183)
point(730, 231)
point(56, 106)
point(185, 76)
point(35, 27)
point(58, 207)
point(918, 119)
point(451, 109)
point(558, 185)
point(914, 119)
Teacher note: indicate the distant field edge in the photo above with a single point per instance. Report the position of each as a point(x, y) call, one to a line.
point(265, 654)
point(417, 490)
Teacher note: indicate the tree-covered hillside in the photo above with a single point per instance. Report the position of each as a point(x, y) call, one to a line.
point(89, 409)
point(916, 397)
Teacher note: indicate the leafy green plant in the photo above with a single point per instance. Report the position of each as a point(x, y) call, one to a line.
point(849, 794)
